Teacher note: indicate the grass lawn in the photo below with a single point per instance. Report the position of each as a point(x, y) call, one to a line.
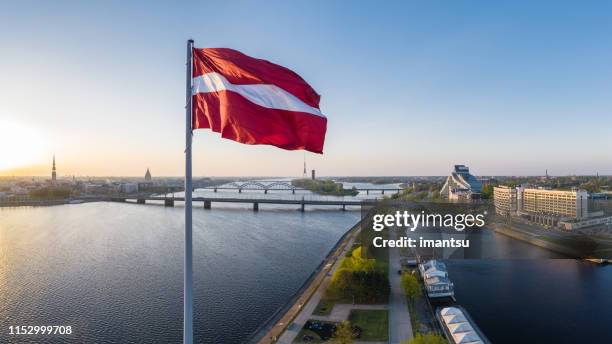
point(374, 324)
point(324, 307)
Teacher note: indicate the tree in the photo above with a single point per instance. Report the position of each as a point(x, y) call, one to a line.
point(343, 334)
point(487, 191)
point(436, 194)
point(51, 192)
point(342, 281)
point(427, 338)
point(411, 287)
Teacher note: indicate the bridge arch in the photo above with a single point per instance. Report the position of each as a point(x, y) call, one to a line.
point(278, 185)
point(253, 184)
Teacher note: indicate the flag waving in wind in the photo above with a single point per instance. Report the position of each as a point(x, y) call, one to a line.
point(247, 100)
point(254, 101)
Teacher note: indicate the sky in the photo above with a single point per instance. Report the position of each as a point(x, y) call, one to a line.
point(408, 87)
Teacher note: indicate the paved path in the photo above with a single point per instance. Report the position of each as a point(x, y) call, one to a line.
point(399, 318)
point(306, 313)
point(341, 311)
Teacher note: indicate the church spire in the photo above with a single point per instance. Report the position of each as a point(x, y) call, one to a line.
point(53, 171)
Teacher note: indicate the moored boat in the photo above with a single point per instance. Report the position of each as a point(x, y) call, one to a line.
point(458, 327)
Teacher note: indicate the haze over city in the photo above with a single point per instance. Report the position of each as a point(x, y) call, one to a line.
point(496, 87)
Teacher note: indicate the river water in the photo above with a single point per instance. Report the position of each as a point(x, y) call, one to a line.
point(520, 293)
point(114, 273)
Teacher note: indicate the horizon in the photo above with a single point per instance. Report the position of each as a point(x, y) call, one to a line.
point(65, 177)
point(491, 88)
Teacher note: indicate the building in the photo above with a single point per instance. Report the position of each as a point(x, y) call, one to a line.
point(561, 203)
point(461, 185)
point(313, 174)
point(506, 199)
point(128, 188)
point(566, 209)
point(53, 171)
point(148, 176)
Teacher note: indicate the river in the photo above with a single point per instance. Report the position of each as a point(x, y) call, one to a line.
point(114, 273)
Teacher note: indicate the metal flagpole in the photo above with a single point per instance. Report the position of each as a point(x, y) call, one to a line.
point(188, 273)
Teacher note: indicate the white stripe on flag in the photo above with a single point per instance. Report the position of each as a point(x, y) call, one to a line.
point(268, 96)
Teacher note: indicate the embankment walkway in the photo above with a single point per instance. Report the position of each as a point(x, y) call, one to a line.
point(400, 327)
point(287, 328)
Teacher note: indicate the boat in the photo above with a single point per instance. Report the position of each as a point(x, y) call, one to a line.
point(458, 327)
point(435, 278)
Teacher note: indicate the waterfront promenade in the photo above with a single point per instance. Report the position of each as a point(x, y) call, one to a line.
point(286, 329)
point(289, 326)
point(400, 327)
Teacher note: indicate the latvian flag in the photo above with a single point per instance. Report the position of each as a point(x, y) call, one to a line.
point(254, 101)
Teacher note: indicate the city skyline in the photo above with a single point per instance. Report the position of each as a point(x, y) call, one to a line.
point(491, 88)
point(147, 175)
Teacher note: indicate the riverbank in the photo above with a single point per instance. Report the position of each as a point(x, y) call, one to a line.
point(279, 322)
point(32, 203)
point(324, 187)
point(545, 242)
point(532, 239)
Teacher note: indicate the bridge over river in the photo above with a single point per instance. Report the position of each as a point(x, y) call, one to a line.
point(207, 201)
point(253, 198)
point(285, 186)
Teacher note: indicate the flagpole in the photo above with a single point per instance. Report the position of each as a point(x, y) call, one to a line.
point(188, 273)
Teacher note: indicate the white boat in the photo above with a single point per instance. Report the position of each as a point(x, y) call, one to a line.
point(458, 327)
point(435, 278)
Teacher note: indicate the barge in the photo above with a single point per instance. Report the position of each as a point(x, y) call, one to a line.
point(458, 327)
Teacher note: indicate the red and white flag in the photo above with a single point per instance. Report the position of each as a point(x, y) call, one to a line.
point(255, 101)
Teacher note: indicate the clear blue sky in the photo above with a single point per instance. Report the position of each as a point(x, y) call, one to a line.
point(409, 88)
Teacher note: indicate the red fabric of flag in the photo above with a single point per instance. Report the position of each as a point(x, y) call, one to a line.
point(254, 101)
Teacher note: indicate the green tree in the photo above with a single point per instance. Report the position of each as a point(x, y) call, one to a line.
point(50, 192)
point(411, 287)
point(343, 334)
point(359, 279)
point(436, 194)
point(487, 191)
point(342, 281)
point(427, 338)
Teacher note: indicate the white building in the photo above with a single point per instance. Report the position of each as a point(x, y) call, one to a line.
point(573, 204)
point(560, 203)
point(567, 209)
point(461, 185)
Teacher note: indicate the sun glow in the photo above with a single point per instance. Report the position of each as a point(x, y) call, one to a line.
point(20, 145)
